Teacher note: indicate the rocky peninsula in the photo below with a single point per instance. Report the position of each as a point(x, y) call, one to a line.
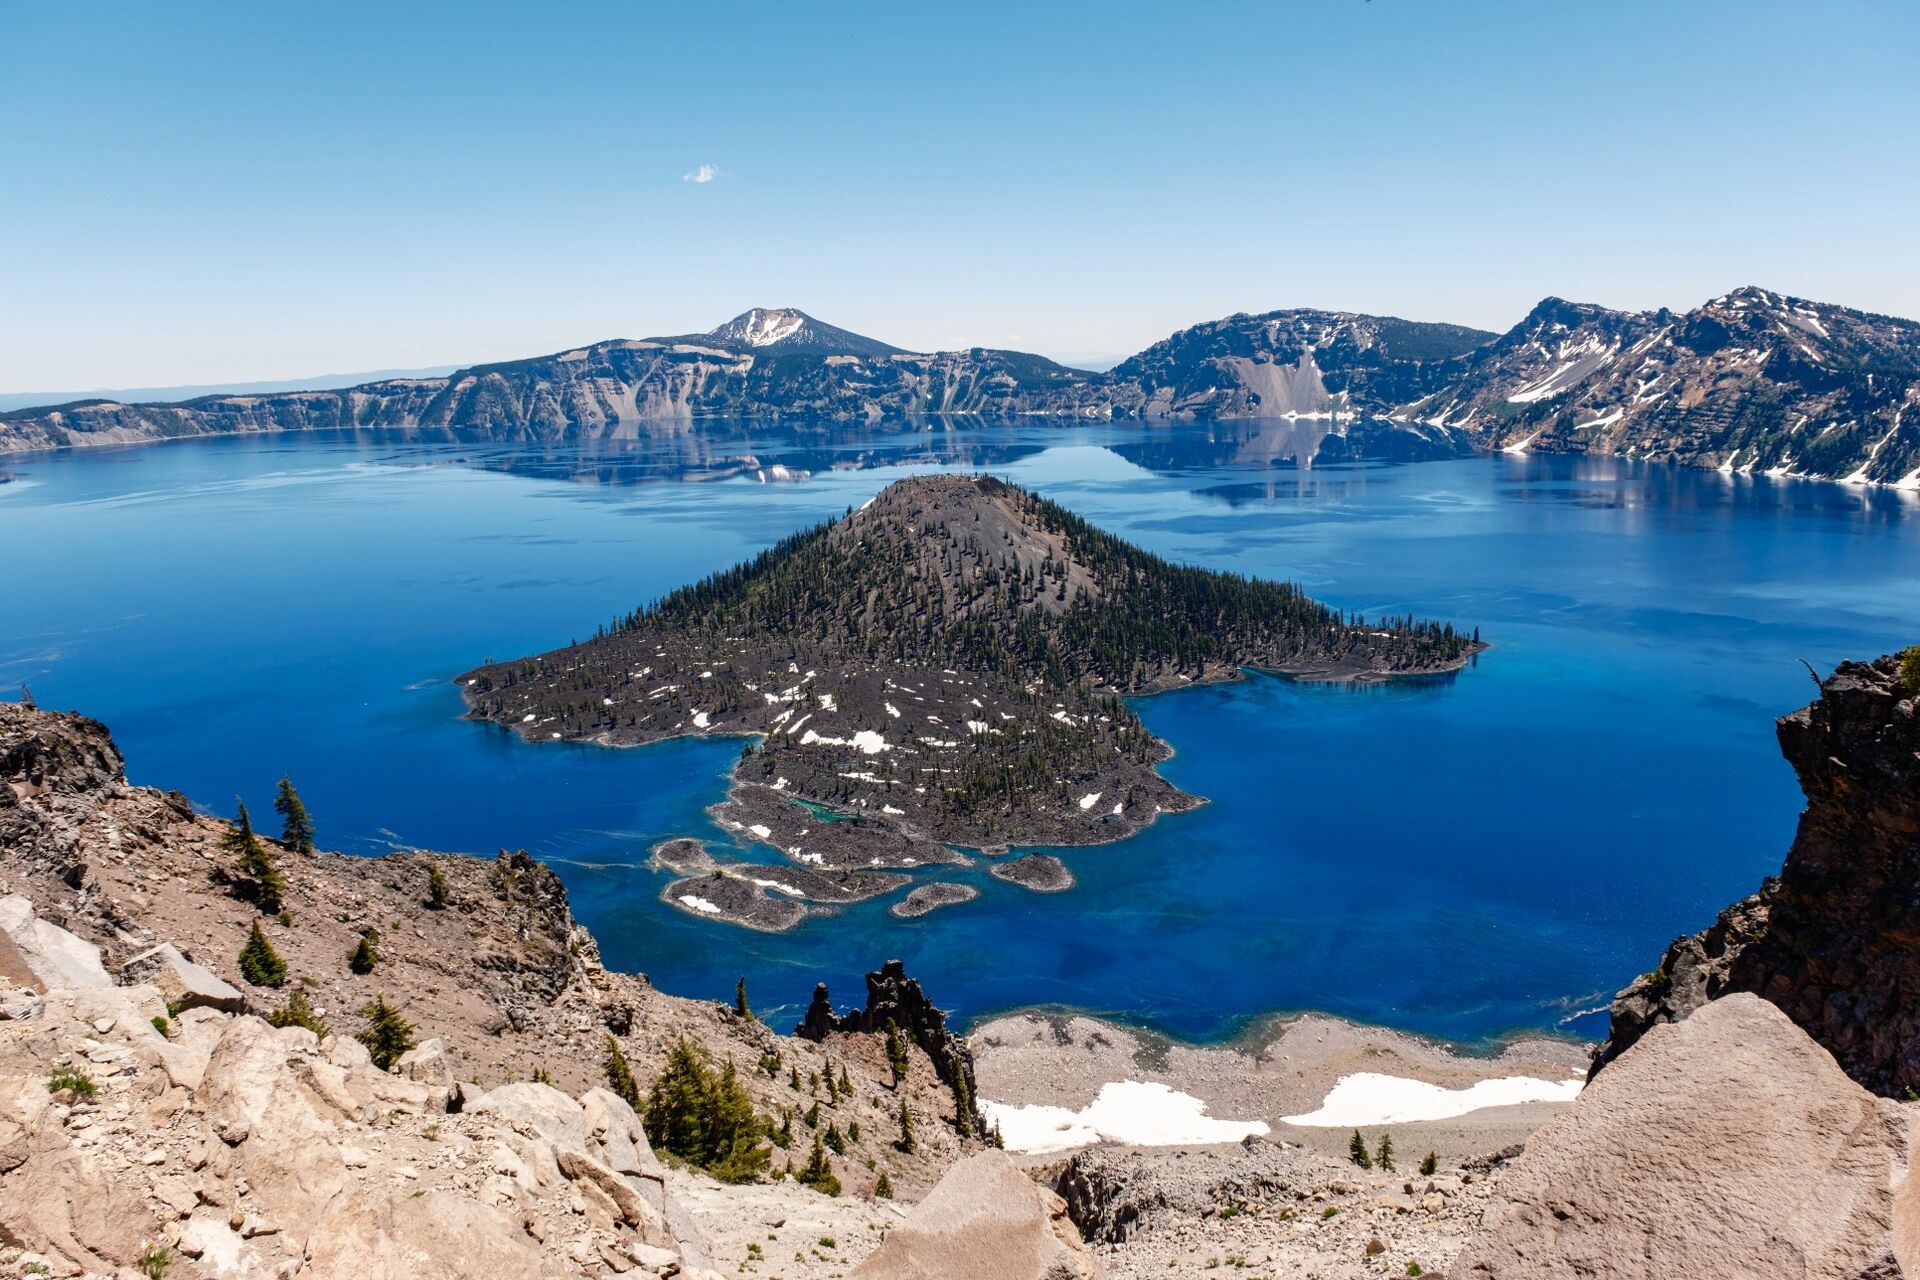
point(946, 666)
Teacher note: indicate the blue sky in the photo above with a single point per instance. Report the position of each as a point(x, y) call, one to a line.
point(219, 192)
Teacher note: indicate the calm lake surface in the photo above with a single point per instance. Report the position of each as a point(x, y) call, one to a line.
point(1496, 852)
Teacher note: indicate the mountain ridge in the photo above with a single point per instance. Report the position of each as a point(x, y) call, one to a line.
point(1750, 382)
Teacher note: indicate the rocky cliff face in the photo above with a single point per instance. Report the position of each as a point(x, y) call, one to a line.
point(1834, 940)
point(896, 1004)
point(1751, 382)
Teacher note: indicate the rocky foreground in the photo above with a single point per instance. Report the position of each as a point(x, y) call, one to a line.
point(153, 1123)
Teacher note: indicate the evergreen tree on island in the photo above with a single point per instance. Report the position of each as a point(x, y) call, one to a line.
point(297, 831)
point(265, 884)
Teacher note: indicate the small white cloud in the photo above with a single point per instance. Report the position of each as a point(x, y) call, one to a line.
point(705, 173)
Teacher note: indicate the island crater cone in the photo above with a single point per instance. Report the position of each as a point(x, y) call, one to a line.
point(945, 666)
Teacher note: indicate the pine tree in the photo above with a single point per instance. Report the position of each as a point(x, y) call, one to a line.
point(896, 1053)
point(437, 896)
point(962, 1101)
point(255, 865)
point(883, 1187)
point(620, 1075)
point(793, 1078)
point(819, 1171)
point(1385, 1158)
point(260, 964)
point(1357, 1151)
point(297, 833)
point(846, 1085)
point(835, 1141)
point(812, 1116)
point(387, 1036)
point(296, 1012)
point(905, 1142)
point(362, 958)
point(1429, 1164)
point(740, 1006)
point(705, 1117)
point(783, 1136)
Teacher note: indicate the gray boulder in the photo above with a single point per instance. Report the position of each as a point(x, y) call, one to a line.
point(185, 984)
point(55, 957)
point(985, 1220)
point(1728, 1145)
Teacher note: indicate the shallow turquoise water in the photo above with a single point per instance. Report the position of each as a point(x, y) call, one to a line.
point(1467, 857)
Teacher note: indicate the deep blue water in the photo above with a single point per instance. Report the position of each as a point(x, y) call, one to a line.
point(1465, 858)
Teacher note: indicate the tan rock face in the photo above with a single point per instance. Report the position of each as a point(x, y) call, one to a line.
point(986, 1220)
point(1728, 1145)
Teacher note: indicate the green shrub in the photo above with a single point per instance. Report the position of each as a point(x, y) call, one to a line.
point(818, 1173)
point(363, 957)
point(154, 1262)
point(1428, 1164)
point(74, 1081)
point(1910, 668)
point(296, 1012)
point(620, 1075)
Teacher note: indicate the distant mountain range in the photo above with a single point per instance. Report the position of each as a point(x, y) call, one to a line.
point(1752, 381)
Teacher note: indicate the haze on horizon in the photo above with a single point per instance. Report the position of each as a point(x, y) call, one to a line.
point(260, 193)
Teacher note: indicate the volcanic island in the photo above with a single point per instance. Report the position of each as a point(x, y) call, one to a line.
point(944, 670)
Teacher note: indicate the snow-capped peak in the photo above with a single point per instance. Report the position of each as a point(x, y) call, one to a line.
point(762, 327)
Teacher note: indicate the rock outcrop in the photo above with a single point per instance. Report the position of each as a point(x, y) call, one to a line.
point(1729, 1145)
point(986, 1220)
point(1834, 940)
point(242, 1150)
point(896, 1003)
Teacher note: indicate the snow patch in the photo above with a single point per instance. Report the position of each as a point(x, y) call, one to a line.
point(1368, 1098)
point(700, 904)
point(1127, 1111)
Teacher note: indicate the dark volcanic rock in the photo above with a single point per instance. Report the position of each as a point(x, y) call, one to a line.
point(1834, 940)
point(894, 999)
point(1041, 872)
point(66, 759)
point(931, 897)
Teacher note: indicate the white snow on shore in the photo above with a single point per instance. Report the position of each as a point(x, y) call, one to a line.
point(702, 905)
point(1367, 1097)
point(1127, 1111)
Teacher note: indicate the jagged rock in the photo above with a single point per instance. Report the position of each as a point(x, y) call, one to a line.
point(185, 984)
point(985, 1220)
point(55, 957)
point(1832, 941)
point(1728, 1145)
point(427, 1063)
point(893, 997)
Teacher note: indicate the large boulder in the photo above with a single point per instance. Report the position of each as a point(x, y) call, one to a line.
point(185, 984)
point(1729, 1145)
point(985, 1220)
point(53, 956)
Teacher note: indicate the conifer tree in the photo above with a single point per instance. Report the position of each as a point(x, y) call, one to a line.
point(905, 1141)
point(818, 1173)
point(620, 1075)
point(883, 1187)
point(835, 1141)
point(812, 1116)
point(297, 831)
point(437, 895)
point(1385, 1158)
point(1429, 1164)
point(896, 1053)
point(962, 1101)
point(260, 964)
point(387, 1035)
point(1357, 1151)
point(297, 1012)
point(363, 957)
point(255, 865)
point(705, 1117)
point(783, 1136)
point(846, 1085)
point(740, 1007)
point(793, 1078)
